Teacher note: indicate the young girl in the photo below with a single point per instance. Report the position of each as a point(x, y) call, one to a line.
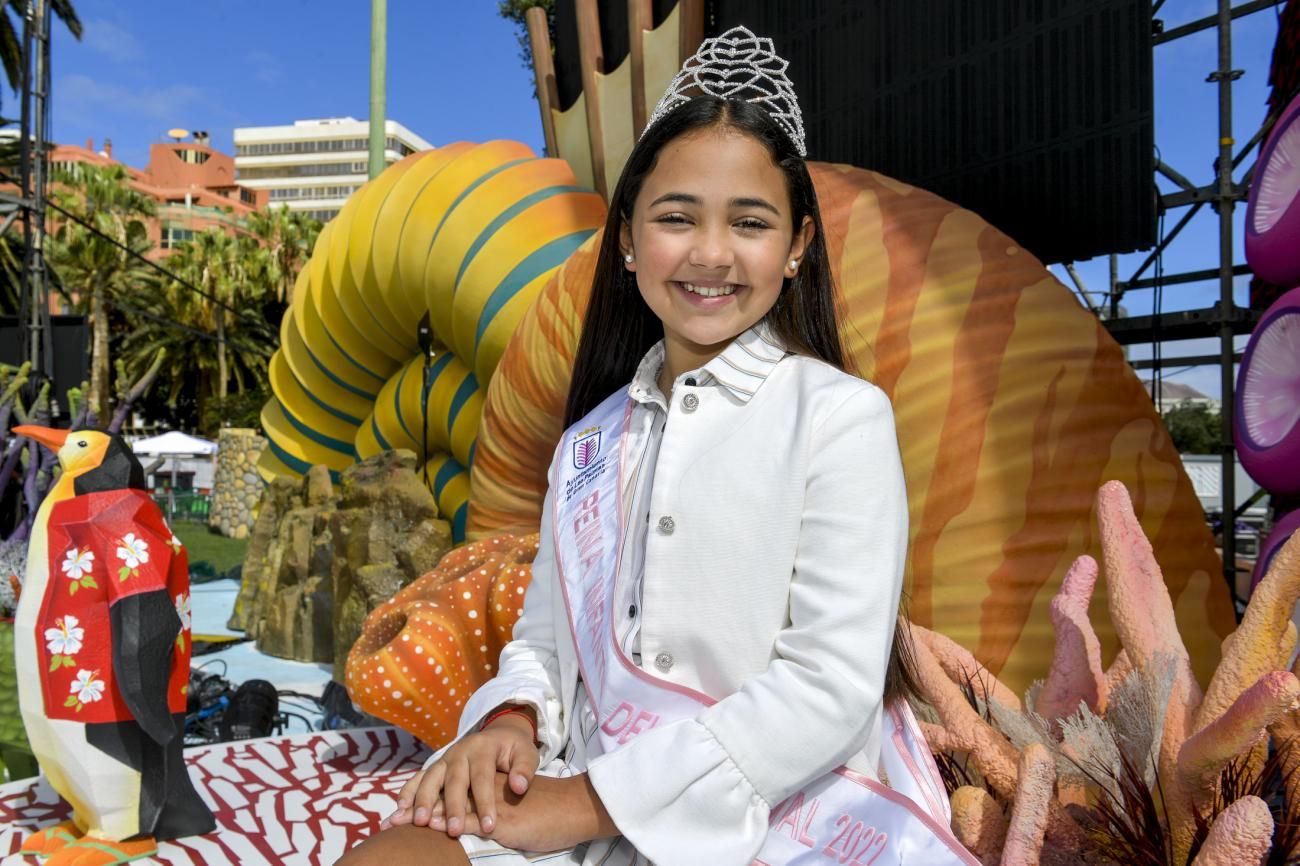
point(703, 668)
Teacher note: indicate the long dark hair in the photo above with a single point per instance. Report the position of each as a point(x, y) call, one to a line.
point(620, 328)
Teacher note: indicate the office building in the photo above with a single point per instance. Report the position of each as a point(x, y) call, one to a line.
point(314, 165)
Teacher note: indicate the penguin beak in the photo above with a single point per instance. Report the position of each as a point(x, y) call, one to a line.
point(49, 437)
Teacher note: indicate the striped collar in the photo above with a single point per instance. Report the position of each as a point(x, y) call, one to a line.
point(741, 368)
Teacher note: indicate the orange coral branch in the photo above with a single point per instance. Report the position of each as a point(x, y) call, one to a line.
point(1254, 647)
point(979, 823)
point(960, 666)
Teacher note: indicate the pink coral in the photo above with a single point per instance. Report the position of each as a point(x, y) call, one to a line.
point(1119, 669)
point(1075, 674)
point(1240, 836)
point(1029, 816)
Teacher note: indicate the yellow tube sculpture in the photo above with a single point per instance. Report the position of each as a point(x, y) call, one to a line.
point(1013, 406)
point(467, 234)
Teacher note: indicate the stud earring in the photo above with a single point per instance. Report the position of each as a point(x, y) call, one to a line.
point(627, 257)
point(794, 264)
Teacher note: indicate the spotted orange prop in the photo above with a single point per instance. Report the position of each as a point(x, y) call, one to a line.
point(424, 652)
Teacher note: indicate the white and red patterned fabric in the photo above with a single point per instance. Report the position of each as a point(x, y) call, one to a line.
point(300, 799)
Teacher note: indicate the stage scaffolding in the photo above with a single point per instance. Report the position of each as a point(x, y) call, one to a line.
point(1224, 319)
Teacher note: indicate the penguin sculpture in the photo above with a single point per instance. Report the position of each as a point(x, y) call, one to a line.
point(102, 649)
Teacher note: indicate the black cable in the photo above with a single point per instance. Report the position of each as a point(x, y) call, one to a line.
point(126, 249)
point(131, 308)
point(303, 719)
point(289, 694)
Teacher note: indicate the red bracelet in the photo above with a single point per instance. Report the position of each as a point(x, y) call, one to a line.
point(507, 711)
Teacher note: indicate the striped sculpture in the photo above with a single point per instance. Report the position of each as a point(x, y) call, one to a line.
point(466, 233)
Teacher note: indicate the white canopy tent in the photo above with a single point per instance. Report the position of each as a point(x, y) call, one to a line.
point(174, 442)
point(183, 453)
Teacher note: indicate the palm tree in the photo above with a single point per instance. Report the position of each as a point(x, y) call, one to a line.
point(288, 237)
point(11, 43)
point(201, 337)
point(98, 254)
point(228, 305)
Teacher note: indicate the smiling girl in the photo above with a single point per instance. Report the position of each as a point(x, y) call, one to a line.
point(707, 669)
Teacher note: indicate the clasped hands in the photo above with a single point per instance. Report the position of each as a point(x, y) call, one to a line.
point(487, 785)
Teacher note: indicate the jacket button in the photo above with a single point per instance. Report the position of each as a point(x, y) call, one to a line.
point(664, 662)
point(690, 403)
point(667, 525)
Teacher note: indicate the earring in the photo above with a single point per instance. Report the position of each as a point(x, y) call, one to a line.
point(794, 264)
point(627, 257)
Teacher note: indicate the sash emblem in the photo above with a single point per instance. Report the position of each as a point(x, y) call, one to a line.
point(586, 448)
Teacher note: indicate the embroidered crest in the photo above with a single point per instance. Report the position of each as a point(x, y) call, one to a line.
point(586, 447)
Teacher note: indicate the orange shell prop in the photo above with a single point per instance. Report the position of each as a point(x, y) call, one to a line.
point(424, 652)
point(1013, 406)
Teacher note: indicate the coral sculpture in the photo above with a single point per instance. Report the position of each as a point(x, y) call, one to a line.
point(1147, 768)
point(422, 654)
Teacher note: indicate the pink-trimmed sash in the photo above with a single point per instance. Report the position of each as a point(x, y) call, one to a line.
point(843, 817)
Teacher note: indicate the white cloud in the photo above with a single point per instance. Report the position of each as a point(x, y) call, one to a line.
point(83, 96)
point(112, 41)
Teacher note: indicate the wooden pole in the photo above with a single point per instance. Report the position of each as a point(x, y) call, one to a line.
point(639, 20)
point(690, 28)
point(591, 59)
point(548, 97)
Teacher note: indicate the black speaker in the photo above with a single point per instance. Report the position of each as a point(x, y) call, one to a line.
point(1036, 114)
point(71, 352)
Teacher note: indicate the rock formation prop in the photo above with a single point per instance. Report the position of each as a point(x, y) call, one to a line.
point(236, 485)
point(321, 555)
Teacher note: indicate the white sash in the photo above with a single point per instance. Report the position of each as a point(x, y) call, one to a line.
point(843, 816)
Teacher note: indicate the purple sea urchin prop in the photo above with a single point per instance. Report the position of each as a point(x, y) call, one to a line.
point(1273, 210)
point(1267, 413)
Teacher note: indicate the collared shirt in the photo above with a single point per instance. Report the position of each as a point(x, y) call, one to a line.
point(740, 369)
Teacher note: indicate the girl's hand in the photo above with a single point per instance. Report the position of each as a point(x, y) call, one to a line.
point(470, 767)
point(556, 815)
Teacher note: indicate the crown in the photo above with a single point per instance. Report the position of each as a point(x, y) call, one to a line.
point(738, 65)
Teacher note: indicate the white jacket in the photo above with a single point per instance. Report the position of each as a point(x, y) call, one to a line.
point(774, 590)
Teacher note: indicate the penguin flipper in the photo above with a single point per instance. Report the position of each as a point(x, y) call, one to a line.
point(145, 626)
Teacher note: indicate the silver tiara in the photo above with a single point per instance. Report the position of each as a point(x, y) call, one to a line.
point(738, 65)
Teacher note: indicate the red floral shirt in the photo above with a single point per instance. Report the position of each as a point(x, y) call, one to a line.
point(105, 547)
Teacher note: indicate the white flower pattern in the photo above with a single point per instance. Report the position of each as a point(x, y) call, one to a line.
point(133, 551)
point(87, 688)
point(183, 610)
point(78, 563)
point(66, 637)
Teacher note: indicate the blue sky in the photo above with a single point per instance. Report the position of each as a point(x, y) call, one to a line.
point(454, 74)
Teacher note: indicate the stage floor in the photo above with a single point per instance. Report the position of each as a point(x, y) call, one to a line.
point(297, 799)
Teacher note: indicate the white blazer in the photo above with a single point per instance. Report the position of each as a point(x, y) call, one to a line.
point(774, 589)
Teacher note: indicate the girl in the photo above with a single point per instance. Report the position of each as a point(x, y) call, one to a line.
point(703, 667)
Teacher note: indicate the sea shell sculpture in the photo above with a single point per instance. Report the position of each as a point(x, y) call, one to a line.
point(1012, 403)
point(424, 652)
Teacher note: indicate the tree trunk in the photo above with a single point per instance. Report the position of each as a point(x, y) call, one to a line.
point(99, 366)
point(222, 374)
